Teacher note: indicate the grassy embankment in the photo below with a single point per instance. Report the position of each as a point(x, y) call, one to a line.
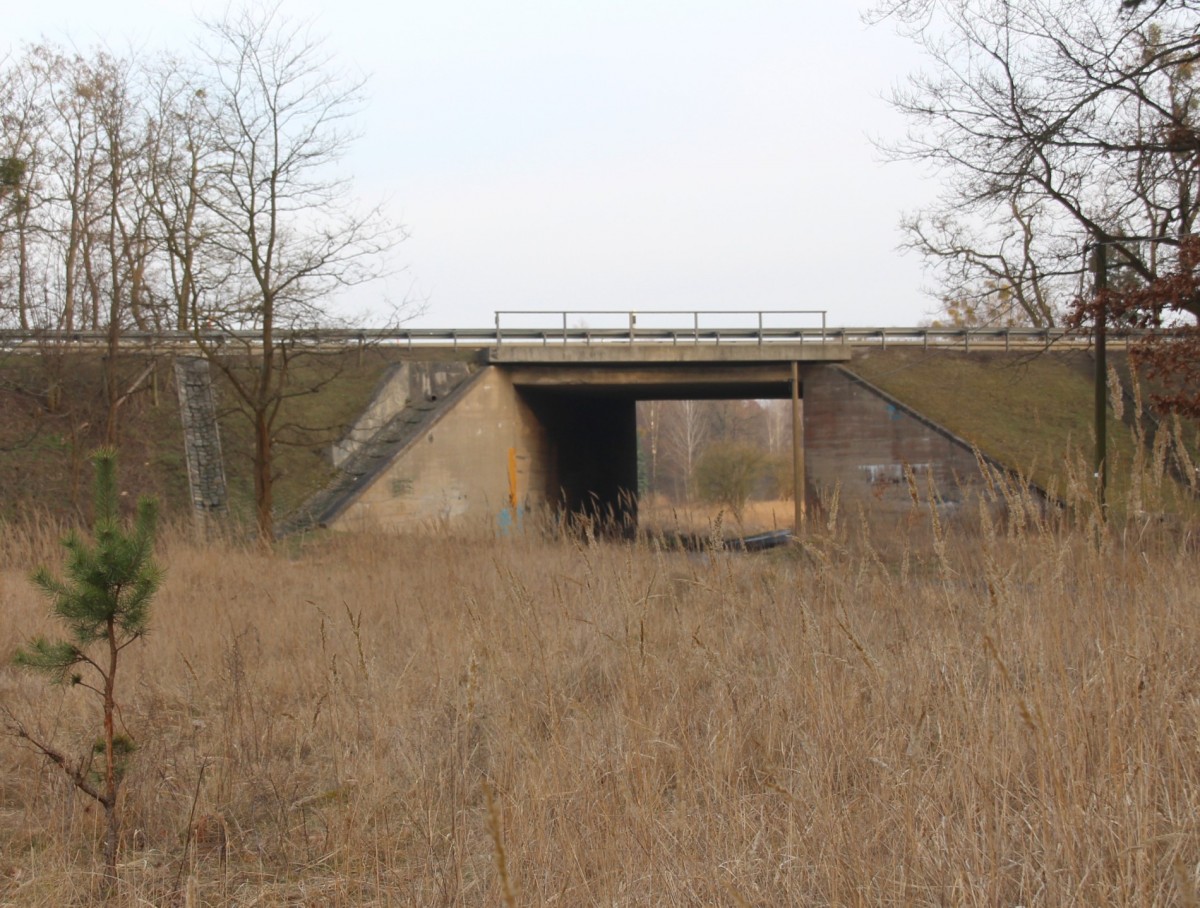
point(43, 449)
point(1035, 413)
point(894, 715)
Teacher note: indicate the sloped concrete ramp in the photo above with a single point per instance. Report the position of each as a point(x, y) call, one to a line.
point(410, 401)
point(201, 436)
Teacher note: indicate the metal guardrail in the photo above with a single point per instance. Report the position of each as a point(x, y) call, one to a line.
point(633, 332)
point(672, 325)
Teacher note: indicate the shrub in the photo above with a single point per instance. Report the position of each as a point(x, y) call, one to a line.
point(728, 473)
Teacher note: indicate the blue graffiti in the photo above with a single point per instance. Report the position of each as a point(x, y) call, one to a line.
point(507, 520)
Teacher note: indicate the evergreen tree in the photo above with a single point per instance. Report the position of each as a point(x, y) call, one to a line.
point(104, 601)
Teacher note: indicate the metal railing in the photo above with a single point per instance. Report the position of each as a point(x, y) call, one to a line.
point(636, 328)
point(658, 325)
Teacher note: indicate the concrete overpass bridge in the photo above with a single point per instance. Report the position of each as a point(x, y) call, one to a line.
point(516, 419)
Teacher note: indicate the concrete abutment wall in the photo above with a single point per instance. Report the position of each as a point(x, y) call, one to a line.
point(859, 443)
point(483, 453)
point(502, 448)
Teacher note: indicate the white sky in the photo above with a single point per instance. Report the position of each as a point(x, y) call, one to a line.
point(607, 154)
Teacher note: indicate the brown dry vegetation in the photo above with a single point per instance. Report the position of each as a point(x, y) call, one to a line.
point(1000, 713)
point(658, 515)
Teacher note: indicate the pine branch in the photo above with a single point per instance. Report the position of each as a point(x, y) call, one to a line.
point(77, 774)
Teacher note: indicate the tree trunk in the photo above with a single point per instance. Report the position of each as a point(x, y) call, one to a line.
point(264, 416)
point(112, 388)
point(23, 272)
point(263, 479)
point(112, 831)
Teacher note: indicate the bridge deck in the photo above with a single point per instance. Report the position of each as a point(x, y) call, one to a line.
point(642, 352)
point(494, 343)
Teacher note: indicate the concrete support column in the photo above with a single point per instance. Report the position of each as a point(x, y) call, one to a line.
point(798, 484)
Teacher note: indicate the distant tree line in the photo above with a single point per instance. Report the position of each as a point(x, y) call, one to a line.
point(196, 192)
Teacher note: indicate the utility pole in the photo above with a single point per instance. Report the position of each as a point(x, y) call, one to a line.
point(1101, 389)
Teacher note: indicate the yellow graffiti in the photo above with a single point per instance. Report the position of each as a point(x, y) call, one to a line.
point(512, 479)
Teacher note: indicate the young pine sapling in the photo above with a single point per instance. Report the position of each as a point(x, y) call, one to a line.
point(104, 601)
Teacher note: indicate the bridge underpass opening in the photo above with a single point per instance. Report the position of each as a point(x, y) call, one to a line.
point(588, 418)
point(591, 449)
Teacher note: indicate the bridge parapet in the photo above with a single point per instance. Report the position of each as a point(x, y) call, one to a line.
point(642, 352)
point(635, 329)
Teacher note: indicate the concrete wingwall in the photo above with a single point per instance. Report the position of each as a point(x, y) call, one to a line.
point(404, 383)
point(860, 440)
point(481, 454)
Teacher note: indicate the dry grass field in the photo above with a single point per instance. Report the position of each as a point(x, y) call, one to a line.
point(985, 713)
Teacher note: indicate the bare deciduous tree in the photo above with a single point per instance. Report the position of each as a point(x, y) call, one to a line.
point(203, 194)
point(183, 167)
point(285, 230)
point(685, 431)
point(75, 249)
point(22, 135)
point(1054, 125)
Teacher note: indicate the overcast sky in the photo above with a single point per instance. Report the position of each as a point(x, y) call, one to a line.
point(607, 154)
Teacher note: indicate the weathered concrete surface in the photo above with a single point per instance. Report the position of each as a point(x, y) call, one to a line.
point(482, 456)
point(859, 440)
point(621, 353)
point(640, 381)
point(406, 384)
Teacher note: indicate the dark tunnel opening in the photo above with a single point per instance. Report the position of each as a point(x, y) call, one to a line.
point(593, 456)
point(594, 449)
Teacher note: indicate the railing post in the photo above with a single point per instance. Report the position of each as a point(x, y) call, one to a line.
point(760, 339)
point(564, 320)
point(498, 341)
point(632, 324)
point(695, 327)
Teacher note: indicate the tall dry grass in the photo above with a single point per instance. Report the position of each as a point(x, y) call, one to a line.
point(950, 711)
